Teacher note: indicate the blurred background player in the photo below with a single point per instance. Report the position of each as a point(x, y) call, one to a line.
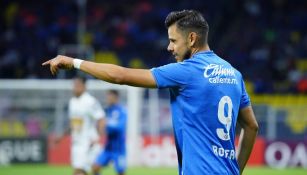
point(115, 148)
point(86, 119)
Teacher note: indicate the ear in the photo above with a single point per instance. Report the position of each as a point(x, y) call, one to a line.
point(192, 39)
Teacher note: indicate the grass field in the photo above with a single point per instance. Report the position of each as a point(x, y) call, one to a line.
point(65, 170)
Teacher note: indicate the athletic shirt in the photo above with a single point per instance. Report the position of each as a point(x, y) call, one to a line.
point(84, 111)
point(116, 128)
point(206, 96)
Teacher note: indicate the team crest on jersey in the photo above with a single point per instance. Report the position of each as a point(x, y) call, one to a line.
point(218, 74)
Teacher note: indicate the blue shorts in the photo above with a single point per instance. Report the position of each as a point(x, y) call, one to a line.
point(119, 160)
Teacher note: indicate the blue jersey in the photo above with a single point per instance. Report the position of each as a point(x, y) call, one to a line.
point(116, 128)
point(208, 94)
point(177, 127)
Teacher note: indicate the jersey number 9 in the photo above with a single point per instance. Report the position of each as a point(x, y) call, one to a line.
point(225, 120)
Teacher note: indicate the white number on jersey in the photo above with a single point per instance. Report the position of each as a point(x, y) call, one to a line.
point(223, 119)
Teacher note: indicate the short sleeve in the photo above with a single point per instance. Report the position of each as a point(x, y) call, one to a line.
point(245, 100)
point(171, 75)
point(96, 110)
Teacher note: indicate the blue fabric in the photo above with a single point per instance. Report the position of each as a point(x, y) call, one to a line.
point(115, 148)
point(116, 128)
point(177, 127)
point(206, 96)
point(119, 160)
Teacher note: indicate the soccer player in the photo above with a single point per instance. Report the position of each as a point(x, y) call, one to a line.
point(115, 147)
point(86, 124)
point(208, 97)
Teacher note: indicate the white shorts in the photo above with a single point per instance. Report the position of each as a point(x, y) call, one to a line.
point(83, 156)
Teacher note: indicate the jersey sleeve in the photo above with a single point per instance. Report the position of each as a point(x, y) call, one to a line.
point(245, 100)
point(96, 110)
point(171, 75)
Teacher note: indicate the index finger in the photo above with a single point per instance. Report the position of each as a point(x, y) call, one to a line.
point(46, 63)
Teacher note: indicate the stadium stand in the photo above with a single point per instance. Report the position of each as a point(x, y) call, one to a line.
point(252, 35)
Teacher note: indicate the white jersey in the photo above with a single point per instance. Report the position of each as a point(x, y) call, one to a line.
point(84, 111)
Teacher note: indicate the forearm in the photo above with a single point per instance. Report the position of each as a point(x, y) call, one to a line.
point(246, 142)
point(101, 127)
point(107, 72)
point(119, 75)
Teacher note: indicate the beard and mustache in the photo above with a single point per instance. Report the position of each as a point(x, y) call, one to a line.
point(185, 56)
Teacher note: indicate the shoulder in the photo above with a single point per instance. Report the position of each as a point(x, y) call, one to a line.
point(121, 108)
point(174, 65)
point(88, 96)
point(173, 69)
point(89, 99)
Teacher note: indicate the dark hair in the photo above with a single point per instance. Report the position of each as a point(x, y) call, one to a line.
point(189, 21)
point(114, 92)
point(81, 78)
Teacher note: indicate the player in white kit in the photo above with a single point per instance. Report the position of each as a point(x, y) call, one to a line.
point(86, 124)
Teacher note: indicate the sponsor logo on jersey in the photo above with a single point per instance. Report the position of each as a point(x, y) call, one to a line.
point(219, 74)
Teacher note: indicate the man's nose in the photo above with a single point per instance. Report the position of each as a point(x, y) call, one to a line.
point(170, 48)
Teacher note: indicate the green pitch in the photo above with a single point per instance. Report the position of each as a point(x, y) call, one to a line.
point(65, 170)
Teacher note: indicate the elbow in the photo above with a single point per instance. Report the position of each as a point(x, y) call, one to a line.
point(254, 127)
point(251, 127)
point(117, 77)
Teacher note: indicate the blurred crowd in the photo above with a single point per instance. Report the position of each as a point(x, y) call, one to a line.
point(265, 39)
point(18, 123)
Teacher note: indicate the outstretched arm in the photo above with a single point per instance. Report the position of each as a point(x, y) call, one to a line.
point(249, 132)
point(107, 72)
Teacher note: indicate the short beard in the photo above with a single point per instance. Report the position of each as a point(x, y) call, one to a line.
point(187, 55)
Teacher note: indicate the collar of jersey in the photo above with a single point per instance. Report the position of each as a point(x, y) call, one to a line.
point(204, 52)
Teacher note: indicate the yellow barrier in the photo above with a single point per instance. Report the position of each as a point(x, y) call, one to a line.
point(294, 105)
